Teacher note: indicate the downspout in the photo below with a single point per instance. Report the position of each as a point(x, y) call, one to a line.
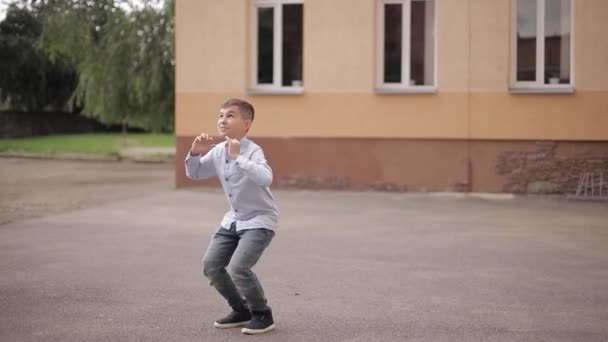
point(469, 160)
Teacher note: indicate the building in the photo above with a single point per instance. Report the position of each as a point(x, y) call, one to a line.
point(415, 95)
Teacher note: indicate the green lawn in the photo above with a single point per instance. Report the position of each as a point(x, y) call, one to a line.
point(104, 144)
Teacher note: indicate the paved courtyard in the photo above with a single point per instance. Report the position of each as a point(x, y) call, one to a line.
point(123, 263)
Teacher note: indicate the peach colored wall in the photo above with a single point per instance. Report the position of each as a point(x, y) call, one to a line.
point(452, 46)
point(341, 58)
point(489, 42)
point(211, 40)
point(591, 44)
point(580, 116)
point(472, 99)
point(334, 115)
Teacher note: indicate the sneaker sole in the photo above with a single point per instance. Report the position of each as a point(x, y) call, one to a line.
point(257, 331)
point(229, 325)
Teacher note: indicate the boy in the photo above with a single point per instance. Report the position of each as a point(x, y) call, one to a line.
point(248, 227)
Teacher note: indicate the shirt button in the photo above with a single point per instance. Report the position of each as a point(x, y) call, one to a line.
point(236, 211)
point(227, 161)
point(229, 195)
point(226, 178)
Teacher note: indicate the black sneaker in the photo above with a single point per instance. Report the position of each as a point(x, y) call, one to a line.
point(260, 323)
point(234, 319)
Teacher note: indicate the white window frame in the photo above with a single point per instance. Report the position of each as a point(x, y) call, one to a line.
point(539, 85)
point(403, 86)
point(276, 87)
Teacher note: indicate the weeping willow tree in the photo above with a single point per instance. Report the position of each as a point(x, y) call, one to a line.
point(29, 81)
point(124, 57)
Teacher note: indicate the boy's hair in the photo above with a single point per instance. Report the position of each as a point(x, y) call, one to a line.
point(245, 107)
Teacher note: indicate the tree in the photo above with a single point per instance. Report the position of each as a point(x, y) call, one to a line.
point(30, 80)
point(124, 57)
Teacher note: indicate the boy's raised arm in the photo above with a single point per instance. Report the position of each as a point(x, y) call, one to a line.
point(256, 168)
point(198, 167)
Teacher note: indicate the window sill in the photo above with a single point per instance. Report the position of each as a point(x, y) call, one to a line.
point(410, 90)
point(542, 90)
point(276, 91)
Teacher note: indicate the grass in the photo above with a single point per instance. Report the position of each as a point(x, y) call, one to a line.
point(100, 144)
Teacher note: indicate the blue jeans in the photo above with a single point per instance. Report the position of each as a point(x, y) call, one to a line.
point(228, 261)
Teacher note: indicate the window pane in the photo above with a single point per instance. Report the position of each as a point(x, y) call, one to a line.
point(526, 40)
point(265, 44)
point(392, 42)
point(557, 41)
point(421, 44)
point(292, 44)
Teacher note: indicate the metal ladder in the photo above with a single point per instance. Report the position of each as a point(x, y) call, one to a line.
point(590, 188)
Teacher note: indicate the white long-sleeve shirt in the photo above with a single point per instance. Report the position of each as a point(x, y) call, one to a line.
point(246, 182)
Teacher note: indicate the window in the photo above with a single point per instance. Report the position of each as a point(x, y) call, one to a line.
point(542, 41)
point(406, 44)
point(277, 44)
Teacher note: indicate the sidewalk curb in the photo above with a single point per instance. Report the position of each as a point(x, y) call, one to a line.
point(479, 195)
point(151, 160)
point(86, 157)
point(60, 156)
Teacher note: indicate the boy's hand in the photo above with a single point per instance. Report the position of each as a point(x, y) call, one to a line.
point(234, 147)
point(202, 144)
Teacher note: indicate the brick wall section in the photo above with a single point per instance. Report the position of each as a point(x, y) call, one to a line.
point(314, 182)
point(410, 165)
point(545, 171)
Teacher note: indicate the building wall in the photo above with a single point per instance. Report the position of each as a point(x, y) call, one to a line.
point(449, 140)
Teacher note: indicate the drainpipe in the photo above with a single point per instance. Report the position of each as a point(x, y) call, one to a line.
point(469, 160)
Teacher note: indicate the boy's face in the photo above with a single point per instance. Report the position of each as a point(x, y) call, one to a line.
point(232, 124)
